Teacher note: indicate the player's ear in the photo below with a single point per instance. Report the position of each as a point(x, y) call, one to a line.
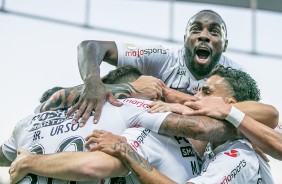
point(225, 45)
point(231, 100)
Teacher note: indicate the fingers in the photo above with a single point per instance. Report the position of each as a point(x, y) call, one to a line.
point(162, 84)
point(155, 107)
point(114, 101)
point(86, 115)
point(95, 137)
point(98, 112)
point(193, 105)
point(158, 108)
point(72, 110)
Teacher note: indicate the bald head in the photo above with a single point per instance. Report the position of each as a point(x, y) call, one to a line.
point(208, 14)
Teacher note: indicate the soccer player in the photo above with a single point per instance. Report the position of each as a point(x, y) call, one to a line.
point(184, 69)
point(233, 161)
point(192, 127)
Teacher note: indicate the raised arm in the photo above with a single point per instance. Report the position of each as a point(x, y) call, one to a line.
point(94, 93)
point(74, 166)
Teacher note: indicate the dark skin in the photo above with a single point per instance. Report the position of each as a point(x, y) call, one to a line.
point(204, 42)
point(210, 34)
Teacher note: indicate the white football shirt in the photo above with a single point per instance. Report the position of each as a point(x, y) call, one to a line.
point(173, 156)
point(234, 163)
point(165, 64)
point(49, 132)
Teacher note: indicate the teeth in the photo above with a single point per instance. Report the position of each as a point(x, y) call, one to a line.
point(203, 48)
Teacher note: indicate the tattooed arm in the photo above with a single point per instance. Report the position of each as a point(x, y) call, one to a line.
point(62, 99)
point(145, 87)
point(197, 127)
point(112, 145)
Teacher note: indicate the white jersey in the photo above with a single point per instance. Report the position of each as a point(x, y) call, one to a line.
point(165, 64)
point(49, 132)
point(234, 163)
point(173, 156)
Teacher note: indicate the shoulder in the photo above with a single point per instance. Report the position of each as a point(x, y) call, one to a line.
point(227, 62)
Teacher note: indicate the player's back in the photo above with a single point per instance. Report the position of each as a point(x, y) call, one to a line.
point(49, 132)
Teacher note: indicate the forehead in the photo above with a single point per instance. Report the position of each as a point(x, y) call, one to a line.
point(216, 83)
point(207, 17)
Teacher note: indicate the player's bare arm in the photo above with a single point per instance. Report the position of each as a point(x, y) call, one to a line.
point(4, 162)
point(111, 144)
point(94, 93)
point(174, 96)
point(148, 88)
point(210, 106)
point(84, 166)
point(262, 136)
point(197, 127)
point(62, 99)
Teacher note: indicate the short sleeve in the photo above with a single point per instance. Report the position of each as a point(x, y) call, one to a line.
point(232, 166)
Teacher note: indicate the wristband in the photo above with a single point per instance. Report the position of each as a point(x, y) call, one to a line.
point(235, 116)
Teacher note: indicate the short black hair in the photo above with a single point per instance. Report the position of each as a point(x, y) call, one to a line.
point(208, 11)
point(121, 75)
point(47, 94)
point(241, 83)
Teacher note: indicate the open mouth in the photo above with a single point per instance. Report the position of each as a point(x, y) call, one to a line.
point(202, 53)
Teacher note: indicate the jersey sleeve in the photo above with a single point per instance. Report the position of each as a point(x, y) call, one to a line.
point(150, 60)
point(231, 166)
point(147, 144)
point(134, 113)
point(226, 62)
point(10, 147)
point(151, 121)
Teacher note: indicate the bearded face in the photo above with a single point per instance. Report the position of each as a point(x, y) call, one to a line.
point(205, 41)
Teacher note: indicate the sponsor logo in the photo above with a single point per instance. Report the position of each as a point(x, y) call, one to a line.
point(51, 122)
point(181, 71)
point(137, 103)
point(187, 151)
point(232, 153)
point(140, 52)
point(140, 139)
point(227, 179)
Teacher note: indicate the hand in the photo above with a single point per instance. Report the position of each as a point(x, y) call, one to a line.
point(17, 171)
point(106, 142)
point(174, 96)
point(92, 97)
point(213, 107)
point(147, 87)
point(159, 106)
